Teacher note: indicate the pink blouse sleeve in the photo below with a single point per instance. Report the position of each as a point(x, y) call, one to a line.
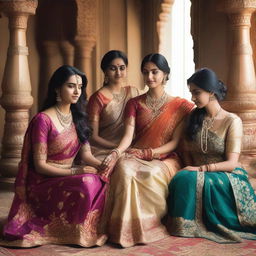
point(39, 136)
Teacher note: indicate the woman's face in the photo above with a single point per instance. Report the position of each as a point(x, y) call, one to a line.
point(153, 76)
point(116, 71)
point(71, 90)
point(200, 97)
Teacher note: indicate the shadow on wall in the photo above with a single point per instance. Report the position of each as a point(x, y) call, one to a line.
point(55, 23)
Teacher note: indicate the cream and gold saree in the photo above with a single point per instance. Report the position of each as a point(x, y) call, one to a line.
point(138, 188)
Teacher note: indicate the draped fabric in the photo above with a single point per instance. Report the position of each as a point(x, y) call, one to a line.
point(138, 188)
point(59, 210)
point(219, 206)
point(109, 113)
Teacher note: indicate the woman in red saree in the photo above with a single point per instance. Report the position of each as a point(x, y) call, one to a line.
point(139, 182)
point(106, 106)
point(56, 201)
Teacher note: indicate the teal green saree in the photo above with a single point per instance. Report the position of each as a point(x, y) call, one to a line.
point(219, 206)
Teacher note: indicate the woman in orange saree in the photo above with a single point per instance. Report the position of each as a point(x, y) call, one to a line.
point(139, 182)
point(106, 106)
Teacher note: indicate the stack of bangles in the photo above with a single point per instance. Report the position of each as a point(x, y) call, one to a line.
point(207, 168)
point(117, 151)
point(74, 171)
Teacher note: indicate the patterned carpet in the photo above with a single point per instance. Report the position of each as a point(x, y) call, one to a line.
point(171, 246)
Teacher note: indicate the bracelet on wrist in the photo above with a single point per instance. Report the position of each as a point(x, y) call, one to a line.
point(117, 151)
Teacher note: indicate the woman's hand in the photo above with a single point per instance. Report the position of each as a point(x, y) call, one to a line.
point(108, 165)
point(76, 170)
point(109, 161)
point(192, 168)
point(144, 154)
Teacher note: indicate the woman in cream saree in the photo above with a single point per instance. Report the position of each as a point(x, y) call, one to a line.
point(139, 183)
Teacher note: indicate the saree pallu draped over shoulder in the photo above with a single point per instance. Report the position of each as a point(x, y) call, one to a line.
point(53, 210)
point(219, 206)
point(109, 113)
point(138, 188)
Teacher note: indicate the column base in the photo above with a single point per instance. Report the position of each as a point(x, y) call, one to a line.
point(9, 167)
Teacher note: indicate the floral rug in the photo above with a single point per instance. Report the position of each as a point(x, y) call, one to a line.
point(171, 246)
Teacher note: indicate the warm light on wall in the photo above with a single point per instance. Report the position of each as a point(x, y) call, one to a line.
point(179, 49)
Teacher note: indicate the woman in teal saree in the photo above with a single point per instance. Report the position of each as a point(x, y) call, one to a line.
point(212, 197)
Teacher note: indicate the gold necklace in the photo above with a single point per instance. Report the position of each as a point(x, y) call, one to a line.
point(119, 96)
point(64, 119)
point(206, 126)
point(156, 104)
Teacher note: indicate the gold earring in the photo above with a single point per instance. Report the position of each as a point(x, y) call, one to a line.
point(106, 80)
point(164, 81)
point(58, 98)
point(212, 98)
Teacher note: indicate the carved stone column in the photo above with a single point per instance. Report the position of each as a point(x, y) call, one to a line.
point(166, 7)
point(241, 97)
point(50, 60)
point(67, 52)
point(16, 86)
point(85, 39)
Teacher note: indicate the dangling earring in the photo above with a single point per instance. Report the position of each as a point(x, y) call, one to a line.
point(58, 98)
point(212, 97)
point(106, 80)
point(164, 81)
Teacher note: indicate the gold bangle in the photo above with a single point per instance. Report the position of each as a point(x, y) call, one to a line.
point(117, 151)
point(73, 170)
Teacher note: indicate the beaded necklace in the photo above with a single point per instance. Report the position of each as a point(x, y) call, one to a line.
point(64, 119)
point(206, 126)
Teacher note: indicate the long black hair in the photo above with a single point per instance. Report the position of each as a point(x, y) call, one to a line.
point(159, 60)
point(109, 57)
point(59, 77)
point(207, 80)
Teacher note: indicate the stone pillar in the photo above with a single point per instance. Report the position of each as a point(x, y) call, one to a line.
point(85, 39)
point(16, 86)
point(67, 52)
point(166, 7)
point(83, 59)
point(241, 97)
point(50, 60)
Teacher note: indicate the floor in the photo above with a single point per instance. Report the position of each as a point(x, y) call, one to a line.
point(171, 246)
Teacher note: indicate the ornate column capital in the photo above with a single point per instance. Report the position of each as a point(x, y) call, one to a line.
point(86, 20)
point(233, 6)
point(18, 6)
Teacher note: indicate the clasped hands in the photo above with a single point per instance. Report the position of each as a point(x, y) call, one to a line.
point(145, 154)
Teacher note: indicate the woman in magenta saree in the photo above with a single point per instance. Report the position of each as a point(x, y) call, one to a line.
point(55, 201)
point(139, 182)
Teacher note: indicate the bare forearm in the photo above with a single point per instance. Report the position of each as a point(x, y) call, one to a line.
point(103, 142)
point(90, 159)
point(225, 166)
point(50, 170)
point(166, 148)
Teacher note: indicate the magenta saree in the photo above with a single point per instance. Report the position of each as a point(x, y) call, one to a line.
point(59, 210)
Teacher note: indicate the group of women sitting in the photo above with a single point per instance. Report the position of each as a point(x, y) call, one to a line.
point(129, 168)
